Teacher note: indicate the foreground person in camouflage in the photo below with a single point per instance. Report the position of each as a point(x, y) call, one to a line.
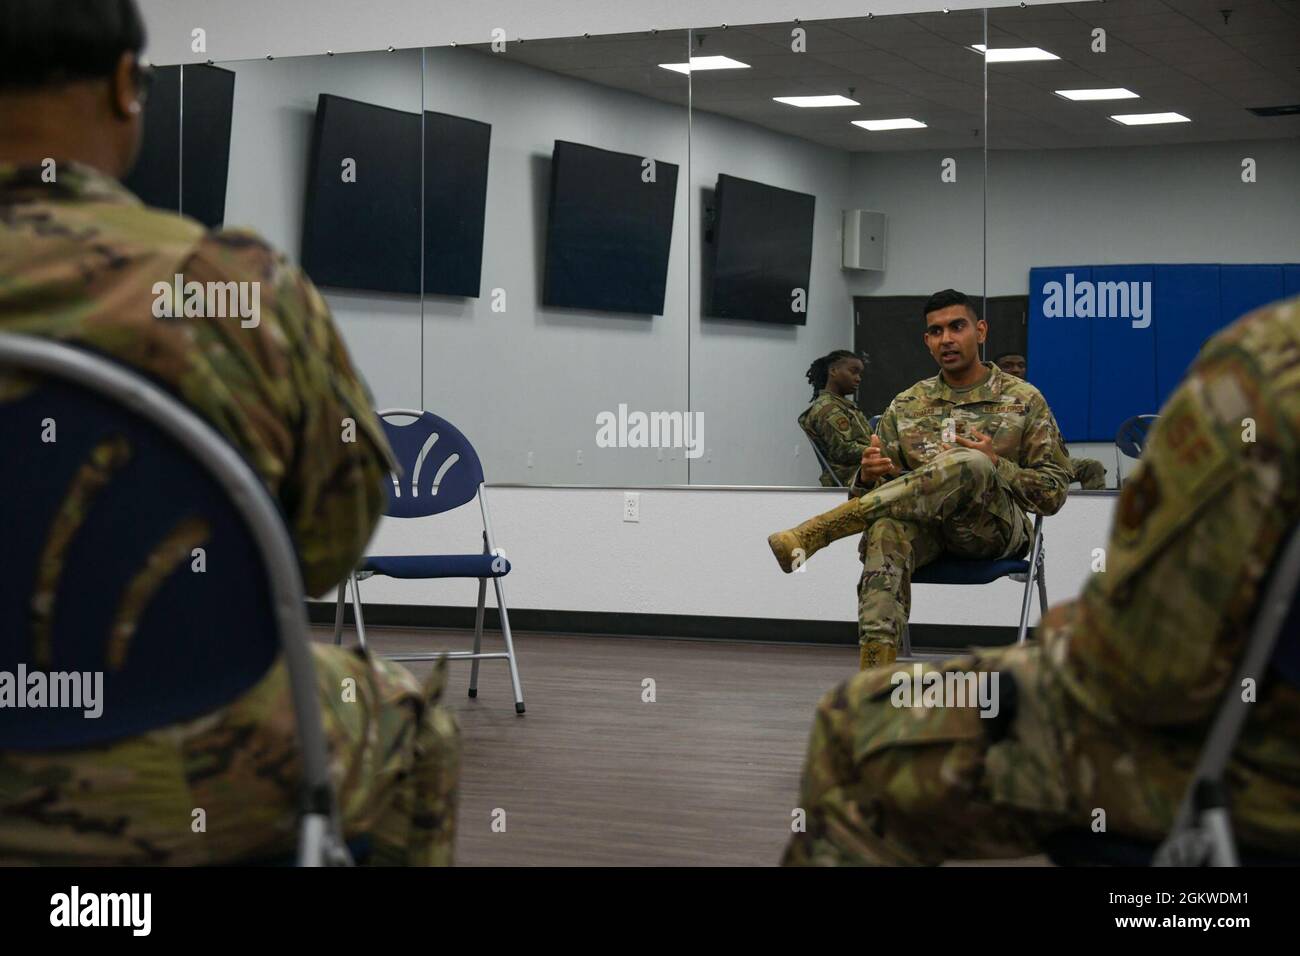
point(79, 257)
point(1088, 472)
point(833, 421)
point(955, 463)
point(1110, 707)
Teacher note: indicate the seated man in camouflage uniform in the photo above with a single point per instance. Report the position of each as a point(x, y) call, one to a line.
point(833, 422)
point(79, 256)
point(1088, 472)
point(1109, 708)
point(980, 448)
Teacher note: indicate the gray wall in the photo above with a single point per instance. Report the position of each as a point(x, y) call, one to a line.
point(1181, 203)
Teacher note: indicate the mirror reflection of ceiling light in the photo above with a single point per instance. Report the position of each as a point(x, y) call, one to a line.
point(877, 126)
point(1115, 93)
point(706, 63)
point(1022, 54)
point(807, 102)
point(1149, 119)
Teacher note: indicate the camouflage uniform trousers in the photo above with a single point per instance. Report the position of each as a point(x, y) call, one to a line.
point(898, 785)
point(957, 504)
point(1089, 473)
point(394, 759)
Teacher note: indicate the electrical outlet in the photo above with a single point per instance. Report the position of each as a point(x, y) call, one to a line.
point(631, 506)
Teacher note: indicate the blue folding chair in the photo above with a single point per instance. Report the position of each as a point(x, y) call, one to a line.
point(1202, 831)
point(950, 570)
point(440, 472)
point(105, 462)
point(1131, 439)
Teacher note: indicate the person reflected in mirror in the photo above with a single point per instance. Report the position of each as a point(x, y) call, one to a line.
point(833, 422)
point(1088, 472)
point(956, 462)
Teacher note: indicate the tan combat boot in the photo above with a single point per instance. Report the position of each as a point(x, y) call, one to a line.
point(876, 654)
point(814, 534)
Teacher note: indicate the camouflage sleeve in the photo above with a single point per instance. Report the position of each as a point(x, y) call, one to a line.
point(307, 418)
point(1040, 480)
point(887, 431)
point(1196, 530)
point(835, 434)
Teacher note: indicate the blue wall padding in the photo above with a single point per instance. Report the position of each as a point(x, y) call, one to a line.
point(1291, 280)
point(1123, 379)
point(1187, 303)
point(1060, 351)
point(1096, 371)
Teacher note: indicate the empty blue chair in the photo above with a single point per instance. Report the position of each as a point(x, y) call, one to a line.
point(141, 469)
point(440, 472)
point(951, 570)
point(1131, 439)
point(1202, 831)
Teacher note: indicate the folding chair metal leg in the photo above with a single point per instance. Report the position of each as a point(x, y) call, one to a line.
point(356, 609)
point(510, 646)
point(338, 612)
point(478, 637)
point(1042, 589)
point(1035, 557)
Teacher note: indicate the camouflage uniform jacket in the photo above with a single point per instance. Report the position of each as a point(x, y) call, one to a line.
point(79, 259)
point(923, 421)
point(840, 431)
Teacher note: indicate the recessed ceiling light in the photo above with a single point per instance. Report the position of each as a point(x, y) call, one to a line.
point(1020, 54)
point(1115, 93)
point(812, 101)
point(706, 63)
point(877, 126)
point(1149, 119)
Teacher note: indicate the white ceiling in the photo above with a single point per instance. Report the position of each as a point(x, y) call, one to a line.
point(1177, 55)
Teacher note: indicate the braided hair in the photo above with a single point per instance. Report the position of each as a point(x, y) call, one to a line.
point(819, 371)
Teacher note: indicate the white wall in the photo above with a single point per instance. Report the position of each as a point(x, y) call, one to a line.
point(700, 552)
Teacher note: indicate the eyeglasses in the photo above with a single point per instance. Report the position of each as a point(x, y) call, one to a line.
point(142, 74)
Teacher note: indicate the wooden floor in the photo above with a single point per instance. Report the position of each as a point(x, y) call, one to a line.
point(706, 775)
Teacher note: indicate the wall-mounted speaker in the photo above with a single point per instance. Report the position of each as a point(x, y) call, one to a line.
point(864, 239)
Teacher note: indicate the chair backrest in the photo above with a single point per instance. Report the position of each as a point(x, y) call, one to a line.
point(821, 460)
point(107, 485)
point(439, 468)
point(1132, 435)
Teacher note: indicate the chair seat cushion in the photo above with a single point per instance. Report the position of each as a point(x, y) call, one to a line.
point(965, 571)
point(437, 565)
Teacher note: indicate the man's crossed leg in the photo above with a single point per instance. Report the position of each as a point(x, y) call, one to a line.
point(955, 503)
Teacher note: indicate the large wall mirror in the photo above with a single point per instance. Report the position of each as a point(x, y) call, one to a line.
point(1142, 193)
point(613, 259)
point(837, 174)
point(577, 330)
